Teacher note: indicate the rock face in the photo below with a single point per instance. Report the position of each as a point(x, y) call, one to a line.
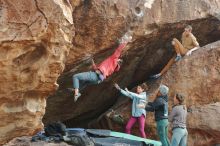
point(98, 25)
point(35, 37)
point(36, 42)
point(204, 125)
point(196, 77)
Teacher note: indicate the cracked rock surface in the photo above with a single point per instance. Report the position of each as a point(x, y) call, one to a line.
point(35, 37)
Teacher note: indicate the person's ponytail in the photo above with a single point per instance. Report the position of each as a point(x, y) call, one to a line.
point(144, 86)
point(181, 100)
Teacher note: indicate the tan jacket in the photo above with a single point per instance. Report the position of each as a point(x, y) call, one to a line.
point(189, 42)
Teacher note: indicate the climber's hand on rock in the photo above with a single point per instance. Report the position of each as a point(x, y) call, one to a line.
point(189, 53)
point(93, 62)
point(93, 65)
point(116, 86)
point(126, 38)
point(120, 41)
point(129, 38)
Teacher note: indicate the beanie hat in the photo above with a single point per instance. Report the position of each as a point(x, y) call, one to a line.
point(163, 90)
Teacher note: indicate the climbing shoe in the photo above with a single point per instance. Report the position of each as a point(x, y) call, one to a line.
point(156, 76)
point(178, 57)
point(76, 97)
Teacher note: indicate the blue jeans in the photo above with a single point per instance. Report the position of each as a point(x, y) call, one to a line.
point(179, 137)
point(162, 131)
point(81, 80)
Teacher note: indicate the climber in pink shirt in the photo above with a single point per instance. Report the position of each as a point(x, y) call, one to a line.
point(112, 63)
point(101, 71)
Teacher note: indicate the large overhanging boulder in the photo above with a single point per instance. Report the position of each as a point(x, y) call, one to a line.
point(98, 25)
point(197, 78)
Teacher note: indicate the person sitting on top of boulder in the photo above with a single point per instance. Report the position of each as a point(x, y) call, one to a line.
point(101, 71)
point(189, 44)
point(137, 113)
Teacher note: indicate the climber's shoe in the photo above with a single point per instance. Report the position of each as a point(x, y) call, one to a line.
point(76, 97)
point(178, 57)
point(156, 76)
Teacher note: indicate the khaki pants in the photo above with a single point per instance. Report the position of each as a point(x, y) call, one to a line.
point(179, 50)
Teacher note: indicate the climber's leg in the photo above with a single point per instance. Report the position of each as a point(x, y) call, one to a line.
point(180, 50)
point(85, 77)
point(169, 64)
